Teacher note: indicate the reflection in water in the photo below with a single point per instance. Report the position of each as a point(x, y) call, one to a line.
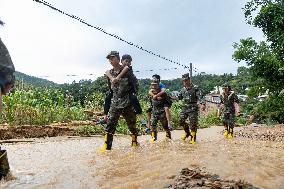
point(65, 163)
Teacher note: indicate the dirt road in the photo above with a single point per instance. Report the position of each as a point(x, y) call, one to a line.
point(63, 162)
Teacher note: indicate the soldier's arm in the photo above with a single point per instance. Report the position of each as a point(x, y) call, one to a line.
point(236, 104)
point(109, 75)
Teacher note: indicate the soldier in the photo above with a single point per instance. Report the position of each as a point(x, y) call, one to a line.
point(229, 105)
point(7, 69)
point(189, 96)
point(158, 111)
point(120, 103)
point(167, 104)
point(7, 80)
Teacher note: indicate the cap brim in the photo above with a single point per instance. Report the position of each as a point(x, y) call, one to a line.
point(108, 56)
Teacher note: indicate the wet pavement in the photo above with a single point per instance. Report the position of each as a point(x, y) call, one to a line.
point(64, 162)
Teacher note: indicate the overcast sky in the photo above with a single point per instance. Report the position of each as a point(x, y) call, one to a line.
point(43, 42)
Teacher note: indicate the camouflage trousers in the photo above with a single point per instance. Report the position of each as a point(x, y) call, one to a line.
point(193, 120)
point(159, 117)
point(129, 116)
point(228, 119)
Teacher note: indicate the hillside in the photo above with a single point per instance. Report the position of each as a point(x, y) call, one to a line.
point(35, 81)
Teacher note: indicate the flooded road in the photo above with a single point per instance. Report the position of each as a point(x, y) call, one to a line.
point(63, 162)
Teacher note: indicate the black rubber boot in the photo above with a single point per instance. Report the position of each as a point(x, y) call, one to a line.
point(168, 135)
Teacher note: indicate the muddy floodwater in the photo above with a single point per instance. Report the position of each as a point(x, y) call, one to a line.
point(64, 162)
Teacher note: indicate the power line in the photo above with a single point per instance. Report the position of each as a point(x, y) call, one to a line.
point(110, 34)
point(91, 74)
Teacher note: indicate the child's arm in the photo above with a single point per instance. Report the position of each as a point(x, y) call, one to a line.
point(163, 91)
point(122, 73)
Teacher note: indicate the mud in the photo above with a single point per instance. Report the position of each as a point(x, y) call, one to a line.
point(200, 178)
point(264, 133)
point(53, 130)
point(64, 162)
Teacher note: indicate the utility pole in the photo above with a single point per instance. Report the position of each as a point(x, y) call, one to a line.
point(190, 70)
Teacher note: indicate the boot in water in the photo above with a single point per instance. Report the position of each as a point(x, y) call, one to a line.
point(185, 136)
point(168, 135)
point(134, 142)
point(226, 133)
point(230, 135)
point(154, 136)
point(193, 137)
point(108, 143)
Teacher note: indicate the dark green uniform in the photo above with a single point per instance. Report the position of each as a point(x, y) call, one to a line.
point(7, 68)
point(120, 105)
point(228, 111)
point(158, 114)
point(189, 97)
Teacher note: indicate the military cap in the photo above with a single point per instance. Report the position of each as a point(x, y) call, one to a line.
point(185, 76)
point(226, 85)
point(112, 53)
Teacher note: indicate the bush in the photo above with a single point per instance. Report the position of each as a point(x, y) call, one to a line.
point(271, 110)
point(209, 120)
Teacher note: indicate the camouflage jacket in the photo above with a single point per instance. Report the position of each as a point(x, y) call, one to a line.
point(120, 90)
point(189, 97)
point(6, 64)
point(132, 79)
point(158, 106)
point(228, 101)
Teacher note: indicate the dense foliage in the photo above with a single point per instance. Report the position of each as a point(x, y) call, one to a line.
point(266, 58)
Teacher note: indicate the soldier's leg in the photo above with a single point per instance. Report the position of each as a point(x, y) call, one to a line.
point(231, 124)
point(193, 118)
point(110, 128)
point(154, 121)
point(225, 121)
point(130, 118)
point(182, 122)
point(165, 125)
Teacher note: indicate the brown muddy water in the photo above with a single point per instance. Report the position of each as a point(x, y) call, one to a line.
point(64, 162)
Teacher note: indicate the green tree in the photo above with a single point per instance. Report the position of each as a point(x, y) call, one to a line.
point(266, 58)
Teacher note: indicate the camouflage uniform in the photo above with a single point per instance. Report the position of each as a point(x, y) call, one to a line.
point(228, 112)
point(120, 105)
point(158, 114)
point(189, 97)
point(7, 68)
point(190, 109)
